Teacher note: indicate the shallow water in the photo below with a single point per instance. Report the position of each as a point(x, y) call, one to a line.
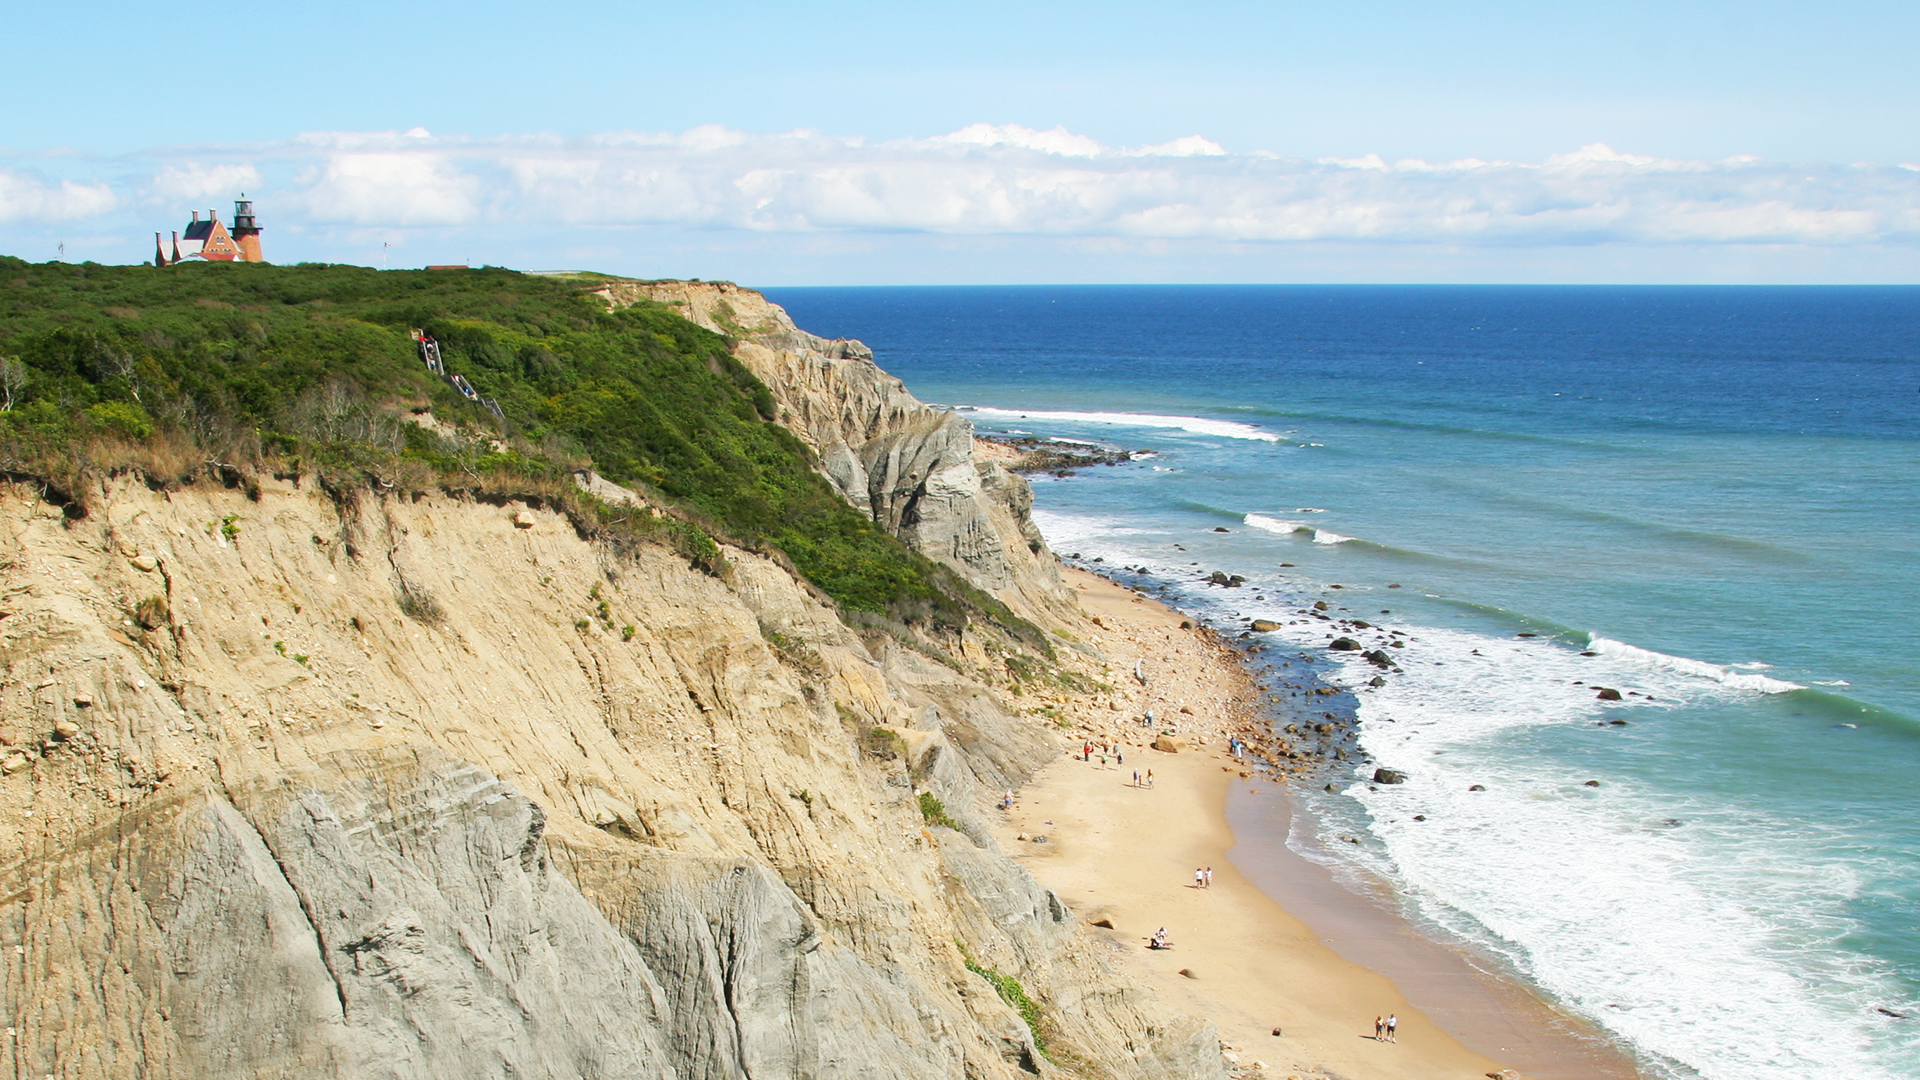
point(1714, 492)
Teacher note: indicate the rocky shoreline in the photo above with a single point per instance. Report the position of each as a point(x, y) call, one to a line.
point(1306, 723)
point(1027, 454)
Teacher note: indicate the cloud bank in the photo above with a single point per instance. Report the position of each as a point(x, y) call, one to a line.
point(983, 180)
point(991, 179)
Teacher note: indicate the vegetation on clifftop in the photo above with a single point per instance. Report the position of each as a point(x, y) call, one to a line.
point(231, 369)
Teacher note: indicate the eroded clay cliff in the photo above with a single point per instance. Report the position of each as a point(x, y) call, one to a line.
point(412, 785)
point(912, 467)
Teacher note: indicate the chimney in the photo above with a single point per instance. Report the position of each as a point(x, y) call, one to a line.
point(196, 215)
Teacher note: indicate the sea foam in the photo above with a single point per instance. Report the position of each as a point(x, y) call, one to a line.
point(1198, 425)
point(1279, 525)
point(1683, 922)
point(1620, 650)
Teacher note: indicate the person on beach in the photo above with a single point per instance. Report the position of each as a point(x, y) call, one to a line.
point(1209, 877)
point(1149, 777)
point(1393, 1028)
point(1379, 1029)
point(1199, 878)
point(1136, 778)
point(1118, 757)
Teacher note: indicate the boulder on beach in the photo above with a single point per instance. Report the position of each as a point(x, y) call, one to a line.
point(1478, 787)
point(1262, 626)
point(1319, 605)
point(1389, 776)
point(1377, 680)
point(1171, 744)
point(1608, 693)
point(1218, 577)
point(1379, 658)
point(1344, 644)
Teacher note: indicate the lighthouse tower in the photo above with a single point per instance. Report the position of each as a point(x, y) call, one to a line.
point(246, 231)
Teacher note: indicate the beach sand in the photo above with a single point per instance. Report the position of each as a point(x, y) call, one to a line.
point(1127, 855)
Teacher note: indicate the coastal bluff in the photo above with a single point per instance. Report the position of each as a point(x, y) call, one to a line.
point(912, 467)
point(311, 782)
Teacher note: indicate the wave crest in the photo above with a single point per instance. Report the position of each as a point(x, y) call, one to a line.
point(1284, 527)
point(1620, 650)
point(1199, 425)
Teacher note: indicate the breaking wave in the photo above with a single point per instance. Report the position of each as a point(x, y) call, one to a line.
point(1198, 425)
point(1620, 650)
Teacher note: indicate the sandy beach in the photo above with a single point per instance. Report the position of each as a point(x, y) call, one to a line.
point(1287, 1003)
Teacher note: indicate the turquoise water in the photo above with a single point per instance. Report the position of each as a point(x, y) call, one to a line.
point(1704, 498)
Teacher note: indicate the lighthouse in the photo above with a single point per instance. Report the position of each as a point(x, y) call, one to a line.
point(246, 231)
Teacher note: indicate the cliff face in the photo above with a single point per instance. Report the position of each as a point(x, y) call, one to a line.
point(412, 786)
point(910, 466)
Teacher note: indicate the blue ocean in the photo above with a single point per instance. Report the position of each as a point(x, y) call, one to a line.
point(1707, 499)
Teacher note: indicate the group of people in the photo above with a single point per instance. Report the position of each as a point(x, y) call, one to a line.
point(1387, 1028)
point(1087, 750)
point(1139, 782)
point(1203, 877)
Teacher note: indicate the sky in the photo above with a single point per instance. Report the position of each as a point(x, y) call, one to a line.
point(986, 142)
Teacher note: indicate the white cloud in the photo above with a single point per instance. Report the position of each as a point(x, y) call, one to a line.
point(391, 188)
point(195, 181)
point(1057, 141)
point(1186, 146)
point(1006, 179)
point(24, 197)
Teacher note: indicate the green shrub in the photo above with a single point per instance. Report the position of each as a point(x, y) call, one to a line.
point(885, 744)
point(125, 419)
point(935, 811)
point(310, 368)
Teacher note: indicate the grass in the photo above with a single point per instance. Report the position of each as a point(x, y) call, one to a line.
point(1013, 994)
point(198, 372)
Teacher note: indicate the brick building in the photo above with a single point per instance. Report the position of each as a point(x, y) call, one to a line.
point(211, 240)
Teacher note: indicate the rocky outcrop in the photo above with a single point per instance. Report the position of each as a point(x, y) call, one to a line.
point(912, 467)
point(373, 787)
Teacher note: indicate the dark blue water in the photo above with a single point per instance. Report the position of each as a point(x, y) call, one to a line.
point(1714, 492)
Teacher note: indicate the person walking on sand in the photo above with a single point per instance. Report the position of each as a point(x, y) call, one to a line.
point(1136, 778)
point(1393, 1028)
point(1149, 777)
point(1199, 878)
point(1379, 1029)
point(1209, 877)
